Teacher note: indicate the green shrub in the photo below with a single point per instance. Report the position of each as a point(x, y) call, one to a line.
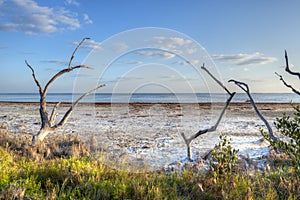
point(224, 157)
point(290, 145)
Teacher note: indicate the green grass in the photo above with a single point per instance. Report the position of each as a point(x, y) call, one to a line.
point(84, 177)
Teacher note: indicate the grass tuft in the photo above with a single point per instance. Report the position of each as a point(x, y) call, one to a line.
point(54, 171)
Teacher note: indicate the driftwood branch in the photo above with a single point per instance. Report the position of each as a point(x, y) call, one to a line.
point(212, 128)
point(53, 114)
point(73, 54)
point(219, 82)
point(70, 110)
point(34, 77)
point(246, 89)
point(287, 67)
point(60, 73)
point(48, 123)
point(287, 85)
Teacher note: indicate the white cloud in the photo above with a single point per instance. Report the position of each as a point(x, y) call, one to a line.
point(193, 62)
point(176, 45)
point(171, 42)
point(87, 19)
point(160, 54)
point(57, 62)
point(133, 62)
point(72, 2)
point(119, 47)
point(245, 59)
point(90, 44)
point(29, 17)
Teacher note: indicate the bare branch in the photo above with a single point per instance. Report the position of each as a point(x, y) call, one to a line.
point(287, 67)
point(69, 112)
point(214, 127)
point(53, 114)
point(287, 85)
point(219, 82)
point(47, 124)
point(211, 129)
point(72, 57)
point(60, 73)
point(34, 77)
point(245, 87)
point(242, 85)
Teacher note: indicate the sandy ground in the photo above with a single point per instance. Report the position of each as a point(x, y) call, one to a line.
point(132, 134)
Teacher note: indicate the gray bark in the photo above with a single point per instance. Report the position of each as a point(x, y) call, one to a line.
point(246, 89)
point(189, 140)
point(48, 124)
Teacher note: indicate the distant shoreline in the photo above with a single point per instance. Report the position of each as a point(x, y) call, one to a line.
point(147, 103)
point(152, 98)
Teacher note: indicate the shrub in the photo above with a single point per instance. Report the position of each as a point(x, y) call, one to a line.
point(290, 145)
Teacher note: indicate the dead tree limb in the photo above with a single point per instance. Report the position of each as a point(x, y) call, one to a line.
point(48, 123)
point(287, 85)
point(75, 50)
point(246, 89)
point(189, 140)
point(287, 67)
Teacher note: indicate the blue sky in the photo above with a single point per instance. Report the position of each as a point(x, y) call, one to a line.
point(245, 40)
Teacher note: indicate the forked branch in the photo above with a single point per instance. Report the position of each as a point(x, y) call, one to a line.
point(72, 57)
point(34, 78)
point(287, 67)
point(53, 113)
point(70, 110)
point(246, 89)
point(212, 128)
point(287, 85)
point(48, 123)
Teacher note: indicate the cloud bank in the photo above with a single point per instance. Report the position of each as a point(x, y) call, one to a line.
point(244, 59)
point(29, 17)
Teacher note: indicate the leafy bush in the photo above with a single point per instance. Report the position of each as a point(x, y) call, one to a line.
point(290, 145)
point(224, 157)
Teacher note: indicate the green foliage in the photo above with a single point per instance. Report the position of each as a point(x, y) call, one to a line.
point(224, 157)
point(88, 178)
point(290, 145)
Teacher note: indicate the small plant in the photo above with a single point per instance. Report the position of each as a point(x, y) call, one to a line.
point(224, 157)
point(290, 128)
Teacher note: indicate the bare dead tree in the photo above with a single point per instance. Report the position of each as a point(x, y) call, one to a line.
point(246, 89)
point(287, 69)
point(189, 140)
point(48, 124)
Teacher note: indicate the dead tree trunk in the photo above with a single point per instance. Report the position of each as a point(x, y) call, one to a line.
point(246, 89)
point(189, 140)
point(48, 124)
point(287, 69)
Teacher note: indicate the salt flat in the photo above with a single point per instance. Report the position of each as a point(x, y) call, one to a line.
point(150, 134)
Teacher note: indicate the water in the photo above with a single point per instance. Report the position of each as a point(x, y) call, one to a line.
point(151, 98)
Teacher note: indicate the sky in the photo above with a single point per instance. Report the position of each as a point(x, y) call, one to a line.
point(149, 45)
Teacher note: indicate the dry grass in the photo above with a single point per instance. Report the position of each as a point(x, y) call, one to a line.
point(64, 168)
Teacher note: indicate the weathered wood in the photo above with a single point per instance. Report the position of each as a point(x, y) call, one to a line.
point(246, 89)
point(287, 85)
point(189, 140)
point(48, 123)
point(287, 67)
